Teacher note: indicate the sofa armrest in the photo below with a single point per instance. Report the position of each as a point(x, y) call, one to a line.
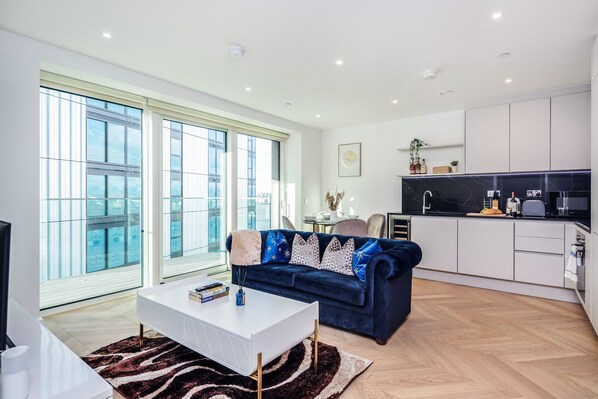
point(393, 262)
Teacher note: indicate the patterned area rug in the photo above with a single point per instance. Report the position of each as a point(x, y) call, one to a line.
point(165, 369)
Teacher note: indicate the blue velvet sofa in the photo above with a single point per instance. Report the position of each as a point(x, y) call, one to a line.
point(375, 308)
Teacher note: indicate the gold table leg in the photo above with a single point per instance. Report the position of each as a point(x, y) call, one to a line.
point(141, 335)
point(257, 376)
point(316, 345)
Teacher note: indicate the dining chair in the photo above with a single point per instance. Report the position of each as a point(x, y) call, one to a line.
point(351, 227)
point(376, 226)
point(287, 224)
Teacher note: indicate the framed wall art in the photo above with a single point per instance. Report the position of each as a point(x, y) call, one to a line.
point(349, 160)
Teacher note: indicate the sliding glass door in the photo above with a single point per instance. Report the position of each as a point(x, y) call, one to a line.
point(90, 174)
point(258, 181)
point(193, 205)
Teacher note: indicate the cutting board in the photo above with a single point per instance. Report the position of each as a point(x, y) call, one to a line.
point(502, 215)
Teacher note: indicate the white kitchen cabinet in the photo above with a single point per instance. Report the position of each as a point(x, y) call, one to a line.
point(437, 237)
point(594, 145)
point(486, 248)
point(530, 136)
point(487, 139)
point(570, 132)
point(539, 268)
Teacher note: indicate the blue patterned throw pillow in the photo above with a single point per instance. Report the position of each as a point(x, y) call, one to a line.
point(277, 249)
point(362, 256)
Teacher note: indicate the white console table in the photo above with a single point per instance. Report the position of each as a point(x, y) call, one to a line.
point(55, 372)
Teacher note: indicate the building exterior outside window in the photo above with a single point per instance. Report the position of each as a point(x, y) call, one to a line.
point(90, 164)
point(194, 211)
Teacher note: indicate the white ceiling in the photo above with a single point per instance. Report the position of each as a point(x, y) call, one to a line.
point(292, 46)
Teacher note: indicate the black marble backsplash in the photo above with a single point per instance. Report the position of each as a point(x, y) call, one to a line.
point(466, 193)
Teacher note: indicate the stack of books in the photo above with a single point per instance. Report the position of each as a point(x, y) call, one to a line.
point(208, 292)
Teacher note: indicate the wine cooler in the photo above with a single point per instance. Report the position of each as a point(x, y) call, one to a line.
point(399, 226)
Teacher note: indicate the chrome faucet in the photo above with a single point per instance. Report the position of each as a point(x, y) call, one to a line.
point(424, 207)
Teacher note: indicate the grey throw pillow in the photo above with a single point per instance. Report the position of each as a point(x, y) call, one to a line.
point(306, 253)
point(339, 259)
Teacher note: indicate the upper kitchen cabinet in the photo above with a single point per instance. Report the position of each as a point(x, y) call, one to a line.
point(570, 132)
point(487, 139)
point(530, 136)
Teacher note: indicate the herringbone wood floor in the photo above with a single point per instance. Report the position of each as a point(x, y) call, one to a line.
point(458, 342)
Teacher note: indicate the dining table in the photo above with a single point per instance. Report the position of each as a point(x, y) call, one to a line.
point(321, 225)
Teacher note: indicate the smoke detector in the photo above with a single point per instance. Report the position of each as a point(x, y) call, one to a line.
point(236, 51)
point(430, 74)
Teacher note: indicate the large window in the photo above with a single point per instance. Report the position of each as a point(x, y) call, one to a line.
point(90, 163)
point(257, 182)
point(193, 204)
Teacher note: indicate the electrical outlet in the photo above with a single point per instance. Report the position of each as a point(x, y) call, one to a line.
point(490, 193)
point(306, 201)
point(534, 193)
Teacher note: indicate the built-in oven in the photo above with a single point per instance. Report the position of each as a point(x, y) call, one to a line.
point(399, 226)
point(580, 260)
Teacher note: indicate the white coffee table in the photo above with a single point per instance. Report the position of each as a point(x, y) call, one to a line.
point(242, 338)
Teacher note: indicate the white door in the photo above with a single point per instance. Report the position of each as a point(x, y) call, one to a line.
point(437, 237)
point(486, 248)
point(570, 132)
point(487, 139)
point(530, 136)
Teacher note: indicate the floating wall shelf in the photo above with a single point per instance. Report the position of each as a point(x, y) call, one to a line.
point(432, 147)
point(432, 175)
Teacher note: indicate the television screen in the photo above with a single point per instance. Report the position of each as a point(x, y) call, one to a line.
point(4, 258)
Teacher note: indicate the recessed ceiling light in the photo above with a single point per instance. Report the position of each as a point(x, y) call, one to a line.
point(318, 115)
point(248, 88)
point(395, 101)
point(497, 15)
point(339, 62)
point(508, 80)
point(236, 51)
point(107, 35)
point(447, 92)
point(504, 55)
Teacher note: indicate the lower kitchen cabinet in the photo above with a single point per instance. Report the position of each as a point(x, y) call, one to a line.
point(485, 248)
point(538, 268)
point(437, 237)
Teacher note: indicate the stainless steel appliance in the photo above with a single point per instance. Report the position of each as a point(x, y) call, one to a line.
point(580, 255)
point(399, 226)
point(569, 203)
point(533, 208)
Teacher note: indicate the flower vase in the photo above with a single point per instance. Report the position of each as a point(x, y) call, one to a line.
point(333, 216)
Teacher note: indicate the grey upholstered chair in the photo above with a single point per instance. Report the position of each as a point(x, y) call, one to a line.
point(287, 224)
point(376, 226)
point(351, 227)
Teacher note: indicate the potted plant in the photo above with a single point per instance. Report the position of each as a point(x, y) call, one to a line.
point(414, 147)
point(454, 166)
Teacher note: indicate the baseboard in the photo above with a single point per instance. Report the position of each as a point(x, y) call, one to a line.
point(541, 291)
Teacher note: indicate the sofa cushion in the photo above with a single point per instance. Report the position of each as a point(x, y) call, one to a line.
point(362, 256)
point(277, 249)
point(340, 287)
point(338, 259)
point(283, 275)
point(306, 252)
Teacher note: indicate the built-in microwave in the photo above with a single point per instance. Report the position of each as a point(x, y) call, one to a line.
point(569, 203)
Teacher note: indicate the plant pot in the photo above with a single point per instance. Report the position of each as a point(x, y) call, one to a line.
point(454, 169)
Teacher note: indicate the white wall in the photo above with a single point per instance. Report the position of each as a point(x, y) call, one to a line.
point(378, 190)
point(21, 59)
